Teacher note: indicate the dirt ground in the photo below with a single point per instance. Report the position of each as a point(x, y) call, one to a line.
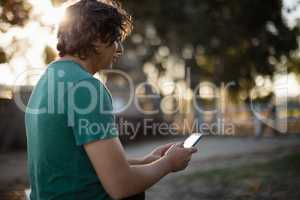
point(215, 153)
point(271, 175)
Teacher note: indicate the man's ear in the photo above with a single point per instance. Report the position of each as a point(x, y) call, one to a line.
point(98, 50)
point(99, 46)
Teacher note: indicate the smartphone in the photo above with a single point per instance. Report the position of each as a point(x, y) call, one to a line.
point(192, 140)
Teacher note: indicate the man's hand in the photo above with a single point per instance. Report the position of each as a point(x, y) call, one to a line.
point(179, 157)
point(157, 153)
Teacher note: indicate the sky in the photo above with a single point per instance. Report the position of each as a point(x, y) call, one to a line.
point(294, 6)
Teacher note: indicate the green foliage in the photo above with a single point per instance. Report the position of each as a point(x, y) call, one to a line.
point(232, 40)
point(49, 55)
point(237, 36)
point(3, 58)
point(57, 3)
point(15, 12)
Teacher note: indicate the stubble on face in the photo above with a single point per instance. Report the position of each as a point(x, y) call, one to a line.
point(107, 54)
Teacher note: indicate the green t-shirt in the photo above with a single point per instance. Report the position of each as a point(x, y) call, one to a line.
point(67, 108)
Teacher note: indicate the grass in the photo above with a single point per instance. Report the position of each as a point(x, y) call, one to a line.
point(276, 179)
point(287, 165)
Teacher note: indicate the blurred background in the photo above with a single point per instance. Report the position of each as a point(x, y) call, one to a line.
point(237, 60)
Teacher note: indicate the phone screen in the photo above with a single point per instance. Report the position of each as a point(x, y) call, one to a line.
point(192, 140)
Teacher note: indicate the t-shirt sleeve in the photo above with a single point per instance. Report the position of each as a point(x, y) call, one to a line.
point(90, 112)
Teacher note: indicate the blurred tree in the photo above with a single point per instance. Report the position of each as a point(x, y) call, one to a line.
point(57, 3)
point(3, 58)
point(221, 40)
point(14, 12)
point(232, 40)
point(49, 55)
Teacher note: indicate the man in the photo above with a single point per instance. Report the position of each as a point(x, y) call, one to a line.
point(70, 159)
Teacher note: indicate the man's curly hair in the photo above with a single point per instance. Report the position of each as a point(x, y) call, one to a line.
point(88, 21)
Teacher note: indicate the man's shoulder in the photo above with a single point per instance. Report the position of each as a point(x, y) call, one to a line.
point(95, 86)
point(67, 71)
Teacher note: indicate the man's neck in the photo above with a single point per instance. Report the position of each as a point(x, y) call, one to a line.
point(86, 64)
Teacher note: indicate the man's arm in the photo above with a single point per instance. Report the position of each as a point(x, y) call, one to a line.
point(137, 161)
point(120, 179)
point(156, 154)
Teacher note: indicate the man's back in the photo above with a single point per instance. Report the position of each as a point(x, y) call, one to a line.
point(58, 165)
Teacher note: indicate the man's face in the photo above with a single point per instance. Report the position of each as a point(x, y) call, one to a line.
point(108, 54)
